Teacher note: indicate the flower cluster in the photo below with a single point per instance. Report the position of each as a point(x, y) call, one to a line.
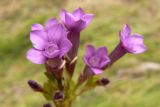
point(56, 46)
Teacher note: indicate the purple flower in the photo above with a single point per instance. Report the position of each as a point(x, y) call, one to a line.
point(96, 59)
point(48, 42)
point(76, 20)
point(132, 43)
point(128, 44)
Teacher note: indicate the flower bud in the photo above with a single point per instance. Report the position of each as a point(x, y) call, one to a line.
point(103, 82)
point(58, 96)
point(35, 86)
point(47, 105)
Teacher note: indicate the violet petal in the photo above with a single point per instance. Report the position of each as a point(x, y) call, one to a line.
point(37, 26)
point(96, 71)
point(38, 39)
point(89, 51)
point(65, 46)
point(62, 15)
point(104, 61)
point(35, 56)
point(102, 51)
point(134, 44)
point(87, 18)
point(125, 32)
point(50, 23)
point(137, 49)
point(69, 20)
point(79, 25)
point(56, 33)
point(85, 59)
point(78, 13)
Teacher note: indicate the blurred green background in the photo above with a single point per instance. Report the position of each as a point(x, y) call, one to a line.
point(135, 79)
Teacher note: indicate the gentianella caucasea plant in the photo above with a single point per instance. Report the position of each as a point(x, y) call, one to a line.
point(56, 45)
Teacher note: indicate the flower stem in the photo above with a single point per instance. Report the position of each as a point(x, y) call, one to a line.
point(116, 54)
point(74, 37)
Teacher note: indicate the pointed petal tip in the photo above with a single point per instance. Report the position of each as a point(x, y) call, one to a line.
point(125, 32)
point(65, 46)
point(90, 48)
point(51, 22)
point(36, 26)
point(79, 9)
point(87, 18)
point(126, 27)
point(62, 15)
point(102, 51)
point(90, 45)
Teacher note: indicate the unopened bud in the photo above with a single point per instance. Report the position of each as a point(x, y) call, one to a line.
point(47, 105)
point(103, 82)
point(58, 96)
point(35, 86)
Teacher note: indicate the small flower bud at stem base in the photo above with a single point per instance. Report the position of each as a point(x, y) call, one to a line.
point(35, 86)
point(58, 96)
point(47, 105)
point(103, 82)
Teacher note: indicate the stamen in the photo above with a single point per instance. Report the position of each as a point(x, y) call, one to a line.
point(74, 60)
point(62, 65)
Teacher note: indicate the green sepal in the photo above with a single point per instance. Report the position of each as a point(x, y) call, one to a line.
point(69, 85)
point(50, 76)
point(47, 91)
point(87, 85)
point(47, 96)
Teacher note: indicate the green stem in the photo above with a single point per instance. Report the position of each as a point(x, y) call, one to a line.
point(59, 81)
point(67, 103)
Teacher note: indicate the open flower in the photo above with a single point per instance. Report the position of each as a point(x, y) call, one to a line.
point(48, 42)
point(128, 44)
point(96, 59)
point(76, 20)
point(132, 43)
